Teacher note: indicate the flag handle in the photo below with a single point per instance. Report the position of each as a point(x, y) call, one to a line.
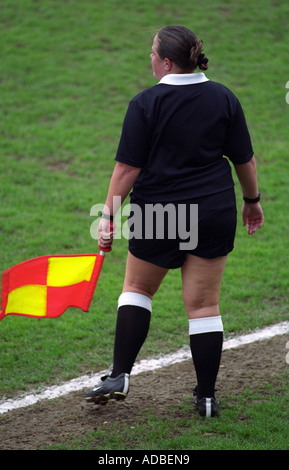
point(108, 249)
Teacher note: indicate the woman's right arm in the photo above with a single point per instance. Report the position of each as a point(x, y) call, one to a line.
point(121, 182)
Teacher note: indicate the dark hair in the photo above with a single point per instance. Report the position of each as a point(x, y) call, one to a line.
point(181, 46)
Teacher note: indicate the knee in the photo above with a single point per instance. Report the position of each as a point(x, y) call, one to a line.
point(208, 311)
point(201, 306)
point(201, 302)
point(138, 289)
point(193, 302)
point(140, 286)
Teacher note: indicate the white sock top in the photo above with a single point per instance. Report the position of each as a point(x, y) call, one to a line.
point(134, 298)
point(205, 325)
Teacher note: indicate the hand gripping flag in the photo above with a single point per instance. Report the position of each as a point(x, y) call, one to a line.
point(46, 286)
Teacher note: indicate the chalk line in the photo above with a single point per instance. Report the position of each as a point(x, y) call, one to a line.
point(146, 365)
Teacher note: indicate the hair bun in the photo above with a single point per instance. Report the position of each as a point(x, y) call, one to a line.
point(202, 60)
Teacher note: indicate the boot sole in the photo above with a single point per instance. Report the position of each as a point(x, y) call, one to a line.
point(103, 399)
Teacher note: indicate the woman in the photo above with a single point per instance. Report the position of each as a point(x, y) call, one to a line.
point(174, 139)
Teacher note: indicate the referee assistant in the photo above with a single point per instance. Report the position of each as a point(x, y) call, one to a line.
point(176, 143)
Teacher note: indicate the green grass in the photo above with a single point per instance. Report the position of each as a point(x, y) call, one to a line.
point(68, 71)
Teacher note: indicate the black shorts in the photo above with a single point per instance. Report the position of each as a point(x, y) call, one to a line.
point(163, 233)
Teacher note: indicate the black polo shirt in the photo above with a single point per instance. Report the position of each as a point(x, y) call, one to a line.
point(180, 132)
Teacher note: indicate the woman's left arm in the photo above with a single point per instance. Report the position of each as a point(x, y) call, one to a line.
point(252, 214)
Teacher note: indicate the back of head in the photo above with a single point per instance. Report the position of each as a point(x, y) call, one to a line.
point(181, 46)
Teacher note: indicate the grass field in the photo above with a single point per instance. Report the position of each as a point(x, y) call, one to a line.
point(68, 71)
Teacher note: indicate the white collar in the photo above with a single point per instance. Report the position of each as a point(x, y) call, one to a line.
point(183, 79)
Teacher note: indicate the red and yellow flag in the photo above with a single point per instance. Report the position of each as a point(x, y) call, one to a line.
point(46, 286)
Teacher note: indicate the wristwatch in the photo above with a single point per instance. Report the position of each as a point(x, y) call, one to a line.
point(106, 216)
point(252, 201)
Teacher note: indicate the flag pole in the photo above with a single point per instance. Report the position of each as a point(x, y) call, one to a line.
point(93, 280)
point(95, 275)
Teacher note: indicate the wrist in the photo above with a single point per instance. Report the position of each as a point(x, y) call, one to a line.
point(252, 200)
point(106, 216)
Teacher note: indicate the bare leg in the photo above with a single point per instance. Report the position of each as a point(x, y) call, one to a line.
point(201, 290)
point(142, 277)
point(202, 280)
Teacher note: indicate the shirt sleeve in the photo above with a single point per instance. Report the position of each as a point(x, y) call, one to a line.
point(238, 145)
point(134, 144)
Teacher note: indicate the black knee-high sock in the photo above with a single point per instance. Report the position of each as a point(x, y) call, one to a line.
point(206, 341)
point(132, 326)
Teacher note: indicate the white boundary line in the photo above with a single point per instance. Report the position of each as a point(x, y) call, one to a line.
point(88, 381)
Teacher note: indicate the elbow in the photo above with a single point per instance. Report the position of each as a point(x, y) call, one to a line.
point(250, 164)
